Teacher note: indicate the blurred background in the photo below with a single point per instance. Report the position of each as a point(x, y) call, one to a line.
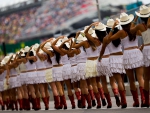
point(25, 22)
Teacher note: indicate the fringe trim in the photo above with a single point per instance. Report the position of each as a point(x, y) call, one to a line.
point(91, 68)
point(146, 55)
point(132, 59)
point(116, 64)
point(103, 68)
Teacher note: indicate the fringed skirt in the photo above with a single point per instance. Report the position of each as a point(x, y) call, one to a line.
point(48, 75)
point(41, 76)
point(91, 68)
point(74, 74)
point(132, 59)
point(103, 67)
point(6, 85)
point(116, 64)
point(1, 86)
point(146, 56)
point(32, 77)
point(57, 73)
point(66, 72)
point(81, 68)
point(23, 78)
point(14, 82)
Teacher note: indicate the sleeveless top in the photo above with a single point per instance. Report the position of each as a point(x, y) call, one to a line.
point(81, 58)
point(54, 62)
point(30, 66)
point(65, 59)
point(91, 53)
point(22, 67)
point(3, 75)
point(106, 51)
point(146, 36)
point(13, 71)
point(40, 64)
point(48, 64)
point(73, 60)
point(113, 49)
point(127, 43)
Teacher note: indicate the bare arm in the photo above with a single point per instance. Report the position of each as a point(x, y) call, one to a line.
point(74, 45)
point(148, 23)
point(133, 27)
point(116, 36)
point(105, 43)
point(57, 48)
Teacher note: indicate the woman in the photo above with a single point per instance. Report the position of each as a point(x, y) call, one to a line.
point(23, 75)
point(14, 84)
point(144, 28)
point(80, 43)
point(115, 59)
point(91, 63)
point(132, 56)
point(4, 82)
point(103, 68)
point(31, 76)
point(41, 69)
point(56, 73)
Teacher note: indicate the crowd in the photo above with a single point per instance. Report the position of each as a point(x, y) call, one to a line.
point(54, 14)
point(48, 17)
point(12, 25)
point(82, 63)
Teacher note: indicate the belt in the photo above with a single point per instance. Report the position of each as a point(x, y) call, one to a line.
point(129, 48)
point(41, 69)
point(92, 58)
point(23, 71)
point(118, 53)
point(147, 44)
point(58, 65)
point(105, 56)
point(13, 75)
point(74, 65)
point(31, 70)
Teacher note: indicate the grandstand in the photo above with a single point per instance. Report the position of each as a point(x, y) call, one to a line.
point(47, 18)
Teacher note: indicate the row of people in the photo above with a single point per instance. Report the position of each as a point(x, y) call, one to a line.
point(82, 63)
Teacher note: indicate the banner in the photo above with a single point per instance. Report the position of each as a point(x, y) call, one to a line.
point(12, 48)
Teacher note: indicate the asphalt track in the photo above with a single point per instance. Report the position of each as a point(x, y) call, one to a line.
point(114, 109)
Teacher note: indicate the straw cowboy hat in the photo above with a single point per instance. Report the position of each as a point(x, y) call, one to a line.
point(59, 42)
point(110, 23)
point(26, 49)
point(81, 38)
point(48, 46)
point(41, 51)
point(6, 59)
point(35, 46)
point(144, 11)
point(67, 44)
point(100, 27)
point(64, 39)
point(125, 18)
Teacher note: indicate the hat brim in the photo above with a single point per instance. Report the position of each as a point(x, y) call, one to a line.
point(112, 26)
point(143, 16)
point(131, 17)
point(101, 29)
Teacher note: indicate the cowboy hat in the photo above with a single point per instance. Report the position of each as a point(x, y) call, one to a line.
point(48, 46)
point(144, 11)
point(125, 18)
point(35, 46)
point(41, 51)
point(100, 27)
point(59, 42)
point(110, 23)
point(26, 49)
point(81, 38)
point(64, 39)
point(6, 59)
point(90, 31)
